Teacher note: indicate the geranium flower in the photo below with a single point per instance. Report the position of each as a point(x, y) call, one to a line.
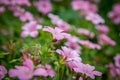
point(31, 29)
point(94, 18)
point(104, 39)
point(87, 69)
point(44, 7)
point(69, 54)
point(57, 33)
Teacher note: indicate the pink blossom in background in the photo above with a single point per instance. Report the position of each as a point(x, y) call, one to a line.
point(2, 9)
point(55, 19)
point(27, 16)
point(104, 39)
point(3, 71)
point(21, 2)
point(87, 69)
point(85, 7)
point(114, 15)
point(31, 29)
point(85, 32)
point(59, 22)
point(112, 69)
point(57, 33)
point(68, 54)
point(5, 2)
point(17, 11)
point(116, 8)
point(94, 18)
point(73, 43)
point(117, 60)
point(118, 71)
point(90, 44)
point(43, 6)
point(64, 26)
point(97, 1)
point(102, 28)
point(78, 4)
point(22, 14)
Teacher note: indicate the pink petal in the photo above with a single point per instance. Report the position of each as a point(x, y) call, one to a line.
point(34, 34)
point(40, 72)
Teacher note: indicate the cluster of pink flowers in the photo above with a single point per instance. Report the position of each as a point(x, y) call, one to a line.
point(103, 38)
point(3, 71)
point(59, 22)
point(57, 33)
point(27, 71)
point(22, 14)
point(15, 6)
point(43, 6)
point(72, 59)
point(114, 69)
point(31, 29)
point(88, 10)
point(87, 69)
point(114, 15)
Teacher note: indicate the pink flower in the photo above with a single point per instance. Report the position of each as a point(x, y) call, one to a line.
point(40, 72)
point(85, 7)
point(112, 69)
point(50, 72)
point(117, 60)
point(44, 7)
point(118, 71)
point(87, 69)
point(27, 16)
point(73, 43)
point(59, 22)
point(90, 44)
point(114, 15)
point(57, 33)
point(3, 71)
point(68, 54)
point(104, 39)
point(24, 72)
point(64, 26)
point(21, 2)
point(102, 28)
point(85, 32)
point(45, 71)
point(80, 5)
point(2, 9)
point(31, 29)
point(80, 78)
point(94, 18)
point(27, 71)
point(116, 8)
point(55, 19)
